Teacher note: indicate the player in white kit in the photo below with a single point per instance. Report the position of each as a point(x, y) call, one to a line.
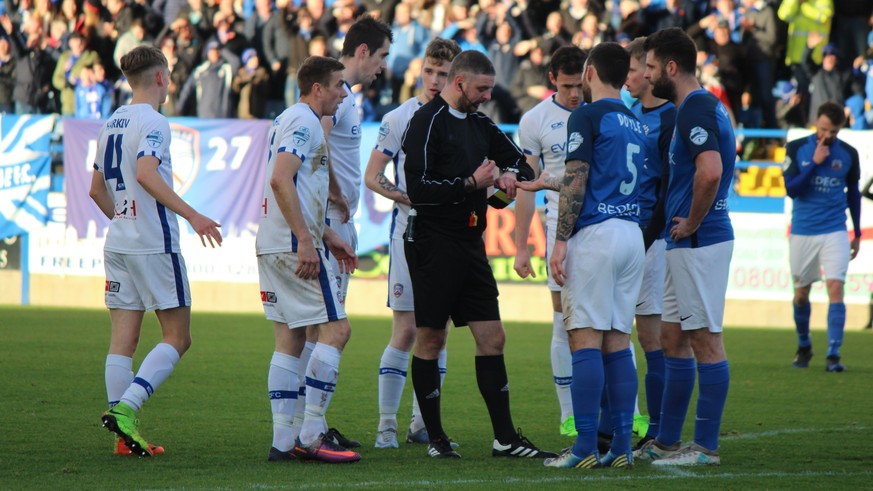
point(395, 359)
point(132, 186)
point(543, 137)
point(365, 48)
point(296, 280)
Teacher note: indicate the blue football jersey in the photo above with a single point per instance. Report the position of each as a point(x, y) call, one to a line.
point(821, 209)
point(608, 136)
point(702, 124)
point(658, 123)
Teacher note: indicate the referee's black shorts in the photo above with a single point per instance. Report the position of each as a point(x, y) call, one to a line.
point(450, 278)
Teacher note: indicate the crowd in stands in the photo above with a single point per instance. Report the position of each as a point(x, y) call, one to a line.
point(771, 62)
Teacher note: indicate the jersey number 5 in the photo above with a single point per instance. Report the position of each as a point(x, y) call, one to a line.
point(112, 161)
point(627, 188)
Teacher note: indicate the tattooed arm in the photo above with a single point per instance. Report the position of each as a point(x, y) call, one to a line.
point(572, 194)
point(375, 178)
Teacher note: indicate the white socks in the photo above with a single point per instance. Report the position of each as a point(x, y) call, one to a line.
point(321, 377)
point(562, 365)
point(283, 387)
point(392, 377)
point(155, 369)
point(118, 375)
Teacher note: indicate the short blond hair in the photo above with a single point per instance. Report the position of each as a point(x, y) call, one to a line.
point(138, 63)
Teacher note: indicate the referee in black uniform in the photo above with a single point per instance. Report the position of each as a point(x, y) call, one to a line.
point(451, 154)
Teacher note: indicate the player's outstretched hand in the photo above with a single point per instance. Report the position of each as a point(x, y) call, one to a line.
point(484, 175)
point(507, 182)
point(207, 229)
point(308, 263)
point(537, 184)
point(556, 262)
point(522, 264)
point(343, 253)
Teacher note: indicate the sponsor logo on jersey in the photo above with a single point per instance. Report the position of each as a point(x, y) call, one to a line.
point(384, 130)
point(268, 297)
point(300, 135)
point(113, 286)
point(698, 135)
point(155, 139)
point(398, 290)
point(574, 141)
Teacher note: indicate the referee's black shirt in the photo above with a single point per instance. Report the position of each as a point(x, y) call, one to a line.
point(443, 147)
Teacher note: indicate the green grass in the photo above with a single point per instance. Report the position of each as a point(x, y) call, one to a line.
point(783, 428)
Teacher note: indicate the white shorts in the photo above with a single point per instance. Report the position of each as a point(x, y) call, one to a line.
point(651, 299)
point(349, 235)
point(810, 254)
point(551, 227)
point(146, 282)
point(399, 283)
point(604, 268)
point(695, 286)
point(288, 299)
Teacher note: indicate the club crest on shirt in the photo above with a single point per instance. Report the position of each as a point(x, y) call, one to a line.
point(300, 135)
point(398, 290)
point(384, 130)
point(574, 141)
point(837, 164)
point(155, 139)
point(698, 135)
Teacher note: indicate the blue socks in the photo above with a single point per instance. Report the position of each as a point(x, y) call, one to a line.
point(714, 382)
point(836, 324)
point(586, 391)
point(604, 425)
point(654, 389)
point(678, 385)
point(801, 322)
point(621, 385)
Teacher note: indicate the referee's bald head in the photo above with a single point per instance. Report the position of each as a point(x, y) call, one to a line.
point(471, 62)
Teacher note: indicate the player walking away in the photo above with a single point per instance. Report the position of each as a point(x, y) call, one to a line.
point(365, 48)
point(132, 185)
point(393, 366)
point(452, 151)
point(297, 286)
point(543, 138)
point(821, 176)
point(699, 247)
point(598, 257)
point(658, 117)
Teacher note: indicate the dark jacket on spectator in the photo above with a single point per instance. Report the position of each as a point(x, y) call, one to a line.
point(33, 74)
point(825, 85)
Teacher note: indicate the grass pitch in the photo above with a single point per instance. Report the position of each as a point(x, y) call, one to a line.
point(783, 428)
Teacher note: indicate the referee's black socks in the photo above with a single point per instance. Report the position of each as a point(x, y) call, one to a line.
point(494, 387)
point(426, 382)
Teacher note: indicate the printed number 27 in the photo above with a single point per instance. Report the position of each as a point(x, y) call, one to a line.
point(627, 188)
point(112, 161)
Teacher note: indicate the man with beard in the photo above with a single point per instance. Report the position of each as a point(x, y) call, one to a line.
point(451, 154)
point(699, 247)
point(598, 257)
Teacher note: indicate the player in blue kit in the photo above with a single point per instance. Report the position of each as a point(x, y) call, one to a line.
point(821, 176)
point(598, 256)
point(699, 248)
point(658, 117)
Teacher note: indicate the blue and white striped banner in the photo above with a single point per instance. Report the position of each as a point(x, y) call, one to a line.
point(25, 165)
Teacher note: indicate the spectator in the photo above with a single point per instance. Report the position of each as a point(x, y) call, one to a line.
point(555, 35)
point(210, 85)
point(344, 13)
point(255, 25)
point(33, 67)
point(531, 82)
point(57, 40)
point(232, 42)
point(667, 14)
point(71, 14)
point(804, 17)
point(121, 16)
point(827, 81)
point(252, 83)
point(410, 40)
point(573, 11)
point(728, 56)
point(179, 73)
point(502, 108)
point(300, 30)
point(129, 40)
point(591, 32)
point(630, 19)
point(384, 10)
point(759, 22)
point(850, 28)
point(66, 73)
point(7, 76)
point(93, 93)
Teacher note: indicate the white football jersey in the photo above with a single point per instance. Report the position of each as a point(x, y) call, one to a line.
point(389, 141)
point(141, 224)
point(345, 152)
point(542, 132)
point(296, 131)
